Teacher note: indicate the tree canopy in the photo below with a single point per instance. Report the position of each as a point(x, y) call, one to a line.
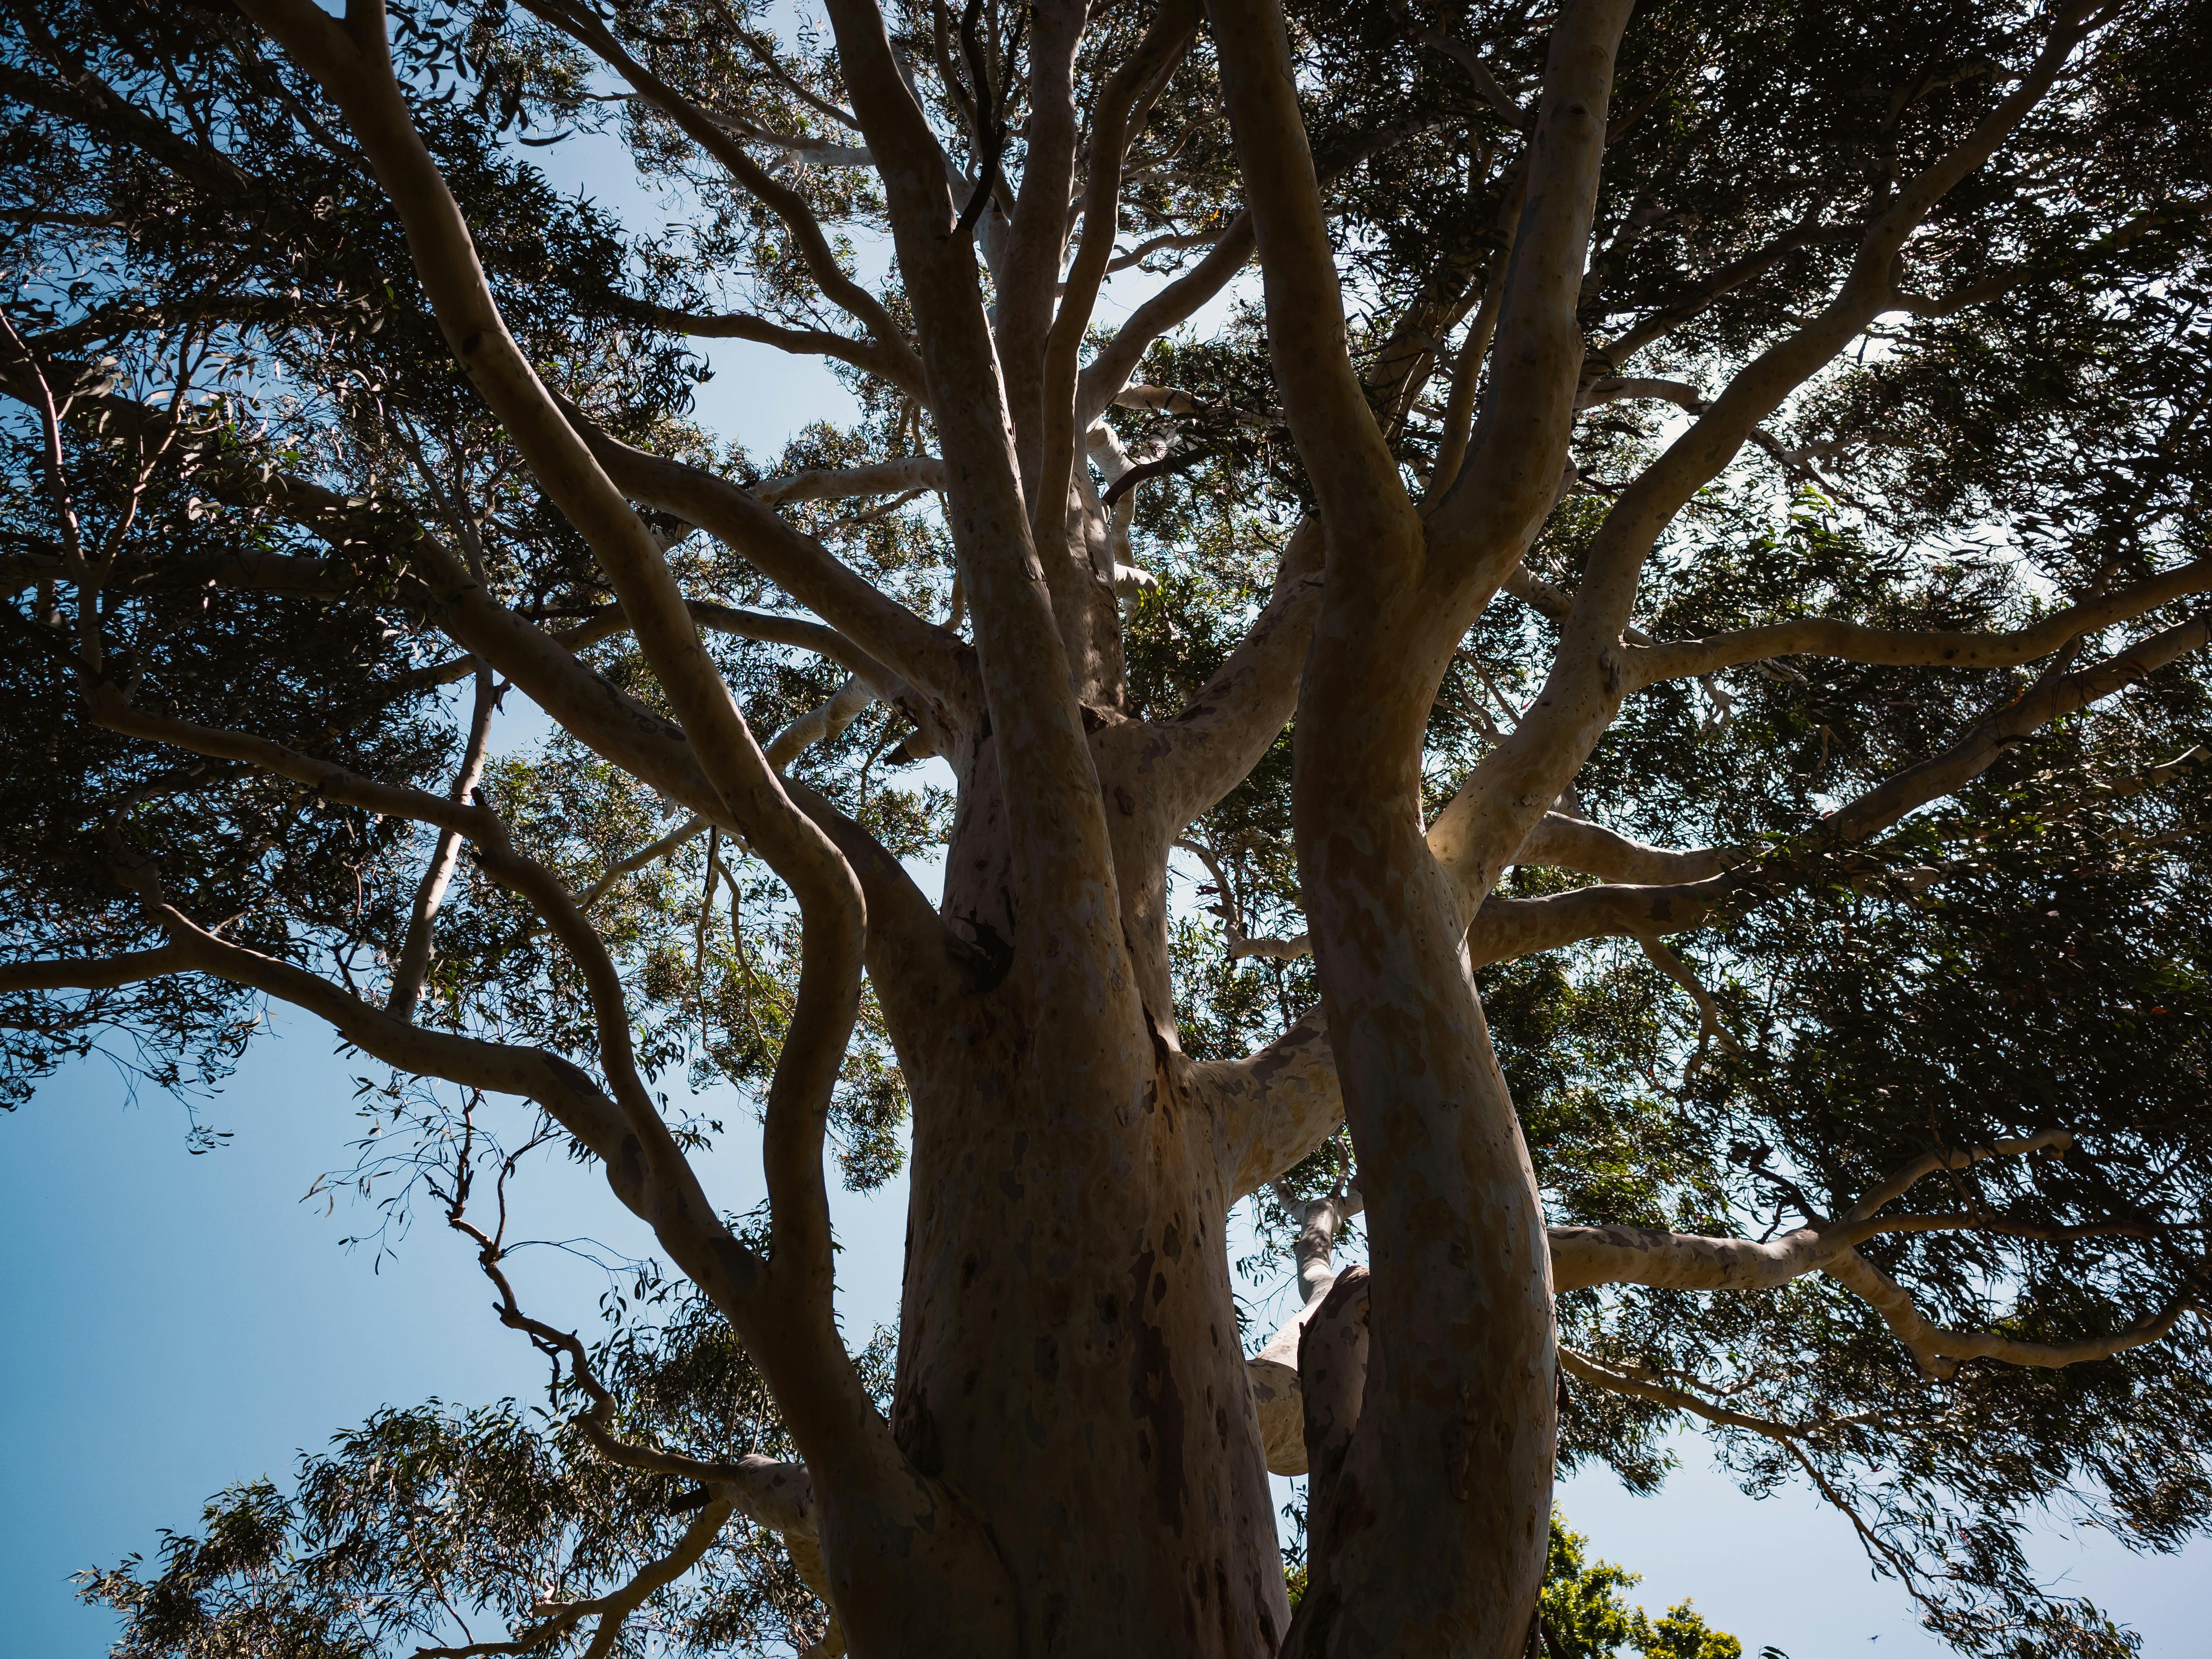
point(1573, 637)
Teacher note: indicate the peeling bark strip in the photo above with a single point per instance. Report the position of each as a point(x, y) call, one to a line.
point(1075, 1454)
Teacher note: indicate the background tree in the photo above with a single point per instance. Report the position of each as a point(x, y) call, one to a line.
point(1727, 479)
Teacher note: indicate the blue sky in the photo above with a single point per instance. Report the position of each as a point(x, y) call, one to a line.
point(177, 1323)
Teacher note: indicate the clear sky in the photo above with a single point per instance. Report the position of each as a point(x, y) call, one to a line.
point(174, 1323)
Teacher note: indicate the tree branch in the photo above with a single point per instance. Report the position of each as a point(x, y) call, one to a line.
point(1820, 636)
point(413, 965)
point(1163, 45)
point(1939, 1351)
point(1348, 463)
point(787, 203)
point(1474, 835)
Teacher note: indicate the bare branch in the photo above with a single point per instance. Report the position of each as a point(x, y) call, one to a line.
point(877, 478)
point(93, 973)
point(1583, 1369)
point(1353, 474)
point(1817, 636)
point(1162, 47)
point(1939, 1351)
point(1710, 1028)
point(787, 203)
point(894, 363)
point(930, 659)
point(413, 965)
point(1229, 724)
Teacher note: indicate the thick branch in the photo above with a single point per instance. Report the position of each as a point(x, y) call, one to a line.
point(1347, 463)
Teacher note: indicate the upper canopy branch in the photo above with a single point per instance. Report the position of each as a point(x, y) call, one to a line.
point(1939, 1351)
point(584, 25)
point(1507, 927)
point(1481, 525)
point(1162, 47)
point(1821, 636)
point(1348, 465)
point(1474, 835)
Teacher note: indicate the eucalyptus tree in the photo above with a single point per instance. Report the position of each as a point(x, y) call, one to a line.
point(1605, 655)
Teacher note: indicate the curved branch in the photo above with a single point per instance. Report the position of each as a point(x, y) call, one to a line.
point(1562, 842)
point(1518, 449)
point(1234, 717)
point(932, 659)
point(1819, 637)
point(891, 363)
point(787, 203)
point(1102, 378)
point(1939, 1351)
point(1583, 1369)
point(555, 1620)
point(888, 478)
point(352, 61)
point(1275, 1106)
point(93, 973)
point(1507, 927)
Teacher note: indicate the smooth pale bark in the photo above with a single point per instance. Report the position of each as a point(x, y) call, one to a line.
point(1431, 1536)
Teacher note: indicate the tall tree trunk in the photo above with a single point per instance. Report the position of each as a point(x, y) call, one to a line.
point(1432, 1538)
point(1069, 1360)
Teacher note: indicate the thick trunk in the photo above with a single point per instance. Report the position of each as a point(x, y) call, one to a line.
point(1069, 1364)
point(1432, 1540)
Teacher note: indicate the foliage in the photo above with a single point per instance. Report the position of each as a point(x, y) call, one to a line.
point(427, 1520)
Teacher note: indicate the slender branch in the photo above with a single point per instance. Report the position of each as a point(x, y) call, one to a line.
point(1230, 723)
point(1819, 637)
point(1517, 453)
point(877, 478)
point(1458, 422)
point(893, 363)
point(787, 203)
point(932, 659)
point(93, 973)
point(1939, 1351)
point(1584, 1369)
point(1163, 45)
point(652, 853)
point(413, 965)
point(775, 1495)
point(1710, 1028)
point(555, 1619)
point(1704, 294)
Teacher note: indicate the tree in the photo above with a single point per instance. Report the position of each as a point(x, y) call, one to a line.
point(1583, 1617)
point(1667, 630)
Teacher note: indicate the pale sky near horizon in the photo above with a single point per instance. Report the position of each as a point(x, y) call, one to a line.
point(177, 1323)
